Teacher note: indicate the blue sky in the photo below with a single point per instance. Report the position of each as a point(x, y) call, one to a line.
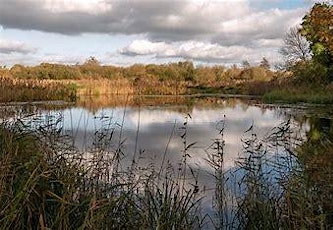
point(145, 31)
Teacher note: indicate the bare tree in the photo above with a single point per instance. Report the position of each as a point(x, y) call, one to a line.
point(296, 47)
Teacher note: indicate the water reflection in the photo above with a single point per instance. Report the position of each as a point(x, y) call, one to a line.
point(151, 125)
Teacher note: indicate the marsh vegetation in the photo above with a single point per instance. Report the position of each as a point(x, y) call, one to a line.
point(280, 179)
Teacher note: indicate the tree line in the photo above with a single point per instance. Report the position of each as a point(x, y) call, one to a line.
point(308, 49)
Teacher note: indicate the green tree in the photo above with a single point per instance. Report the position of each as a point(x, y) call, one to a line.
point(317, 27)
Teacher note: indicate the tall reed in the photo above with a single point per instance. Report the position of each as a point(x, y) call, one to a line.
point(48, 183)
point(35, 90)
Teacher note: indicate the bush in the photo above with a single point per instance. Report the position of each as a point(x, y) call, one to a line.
point(310, 73)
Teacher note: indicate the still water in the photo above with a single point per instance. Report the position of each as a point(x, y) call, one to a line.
point(149, 131)
point(151, 128)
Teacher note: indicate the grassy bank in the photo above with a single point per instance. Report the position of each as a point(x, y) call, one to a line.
point(313, 95)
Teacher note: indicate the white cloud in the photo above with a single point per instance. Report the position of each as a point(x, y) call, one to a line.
point(86, 6)
point(145, 47)
point(61, 59)
point(30, 59)
point(11, 46)
point(229, 37)
point(271, 24)
point(270, 42)
point(205, 30)
point(202, 51)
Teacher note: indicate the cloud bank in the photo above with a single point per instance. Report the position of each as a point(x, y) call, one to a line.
point(10, 46)
point(221, 30)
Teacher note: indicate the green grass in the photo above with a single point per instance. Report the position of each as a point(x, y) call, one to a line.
point(299, 96)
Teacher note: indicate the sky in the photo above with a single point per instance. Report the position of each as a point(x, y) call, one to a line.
point(125, 32)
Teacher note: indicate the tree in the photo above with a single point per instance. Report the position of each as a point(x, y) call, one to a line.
point(264, 63)
point(92, 61)
point(246, 64)
point(296, 47)
point(317, 27)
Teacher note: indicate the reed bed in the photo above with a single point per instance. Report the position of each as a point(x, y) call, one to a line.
point(35, 90)
point(123, 86)
point(278, 184)
point(180, 78)
point(46, 183)
point(93, 87)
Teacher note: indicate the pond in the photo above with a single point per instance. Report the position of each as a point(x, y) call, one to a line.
point(152, 130)
point(157, 132)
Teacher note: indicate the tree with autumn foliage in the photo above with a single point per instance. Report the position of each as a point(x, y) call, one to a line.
point(317, 28)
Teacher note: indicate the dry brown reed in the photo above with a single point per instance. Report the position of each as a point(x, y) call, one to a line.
point(96, 87)
point(13, 89)
point(123, 86)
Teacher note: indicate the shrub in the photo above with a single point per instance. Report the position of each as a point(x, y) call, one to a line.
point(309, 73)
